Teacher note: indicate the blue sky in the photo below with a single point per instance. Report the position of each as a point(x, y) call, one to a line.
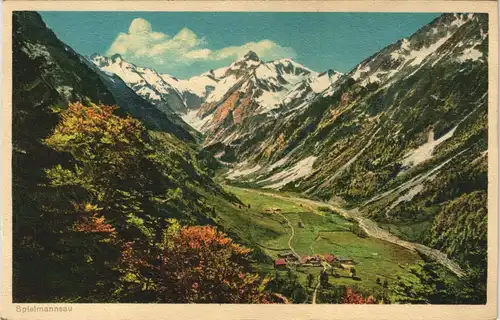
point(189, 43)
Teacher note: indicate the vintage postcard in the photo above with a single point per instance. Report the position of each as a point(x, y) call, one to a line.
point(249, 160)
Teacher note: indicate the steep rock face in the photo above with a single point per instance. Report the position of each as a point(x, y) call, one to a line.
point(383, 134)
point(156, 118)
point(166, 92)
point(145, 82)
point(252, 79)
point(253, 89)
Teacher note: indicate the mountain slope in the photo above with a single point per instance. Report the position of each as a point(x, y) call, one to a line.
point(355, 105)
point(398, 137)
point(253, 90)
point(167, 93)
point(54, 60)
point(174, 179)
point(149, 113)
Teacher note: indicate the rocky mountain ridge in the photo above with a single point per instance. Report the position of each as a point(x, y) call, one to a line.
point(399, 137)
point(209, 100)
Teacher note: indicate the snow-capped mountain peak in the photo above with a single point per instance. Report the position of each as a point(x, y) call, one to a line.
point(251, 87)
point(163, 90)
point(288, 65)
point(247, 87)
point(324, 80)
point(146, 82)
point(251, 56)
point(248, 61)
point(266, 82)
point(411, 53)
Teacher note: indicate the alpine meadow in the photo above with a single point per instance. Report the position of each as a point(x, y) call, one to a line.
point(200, 167)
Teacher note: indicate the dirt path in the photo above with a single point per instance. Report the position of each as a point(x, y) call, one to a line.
point(373, 230)
point(291, 237)
point(317, 286)
point(325, 265)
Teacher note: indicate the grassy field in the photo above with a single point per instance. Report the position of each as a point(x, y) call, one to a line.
point(319, 233)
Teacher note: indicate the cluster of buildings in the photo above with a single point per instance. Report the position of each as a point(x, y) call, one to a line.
point(290, 259)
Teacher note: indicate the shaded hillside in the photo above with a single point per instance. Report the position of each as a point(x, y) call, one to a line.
point(53, 177)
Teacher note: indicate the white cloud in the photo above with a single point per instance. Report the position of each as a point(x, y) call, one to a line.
point(178, 54)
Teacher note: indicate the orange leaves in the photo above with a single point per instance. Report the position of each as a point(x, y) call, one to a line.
point(201, 264)
point(90, 221)
point(352, 297)
point(269, 298)
point(96, 124)
point(199, 237)
point(93, 224)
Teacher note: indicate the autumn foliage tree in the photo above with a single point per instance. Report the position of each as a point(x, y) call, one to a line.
point(201, 265)
point(103, 193)
point(115, 198)
point(113, 195)
point(353, 297)
point(107, 152)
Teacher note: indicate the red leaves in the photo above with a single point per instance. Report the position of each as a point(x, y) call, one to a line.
point(90, 221)
point(204, 237)
point(201, 264)
point(93, 224)
point(131, 259)
point(269, 298)
point(352, 297)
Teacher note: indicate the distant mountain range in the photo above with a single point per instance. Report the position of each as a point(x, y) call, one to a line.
point(214, 100)
point(278, 116)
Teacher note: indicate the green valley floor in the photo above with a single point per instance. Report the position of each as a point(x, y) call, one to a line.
point(280, 222)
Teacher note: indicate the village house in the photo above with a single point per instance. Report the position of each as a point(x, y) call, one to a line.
point(289, 256)
point(305, 259)
point(311, 260)
point(346, 263)
point(330, 258)
point(280, 264)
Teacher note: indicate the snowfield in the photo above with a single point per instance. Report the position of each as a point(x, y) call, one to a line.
point(194, 121)
point(424, 152)
point(233, 174)
point(301, 169)
point(470, 54)
point(222, 88)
